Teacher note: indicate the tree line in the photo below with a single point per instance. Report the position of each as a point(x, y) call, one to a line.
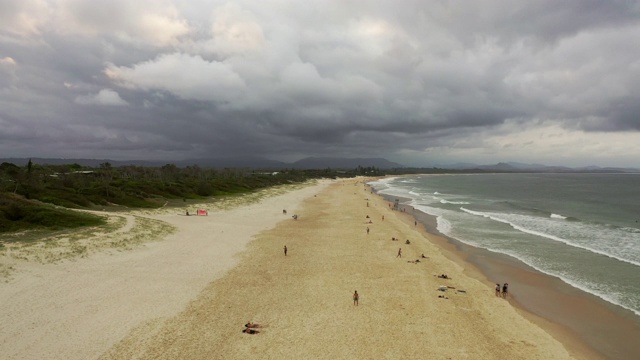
point(36, 194)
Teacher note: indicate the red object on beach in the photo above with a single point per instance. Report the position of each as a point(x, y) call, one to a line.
point(202, 212)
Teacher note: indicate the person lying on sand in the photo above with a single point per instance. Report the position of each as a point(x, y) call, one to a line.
point(422, 256)
point(444, 276)
point(252, 325)
point(250, 331)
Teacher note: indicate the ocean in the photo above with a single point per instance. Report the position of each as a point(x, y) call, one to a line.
point(581, 228)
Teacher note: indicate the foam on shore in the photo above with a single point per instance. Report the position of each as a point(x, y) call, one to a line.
point(587, 325)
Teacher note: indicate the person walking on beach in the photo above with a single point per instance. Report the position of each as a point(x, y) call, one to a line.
point(399, 253)
point(356, 297)
point(498, 290)
point(505, 290)
point(367, 230)
point(285, 250)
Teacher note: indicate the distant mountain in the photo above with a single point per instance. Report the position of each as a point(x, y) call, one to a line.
point(234, 162)
point(457, 166)
point(82, 162)
point(344, 163)
point(313, 163)
point(606, 169)
point(516, 166)
point(227, 162)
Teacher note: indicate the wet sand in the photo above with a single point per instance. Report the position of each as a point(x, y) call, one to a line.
point(588, 326)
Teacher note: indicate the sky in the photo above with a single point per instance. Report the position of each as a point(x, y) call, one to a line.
point(418, 82)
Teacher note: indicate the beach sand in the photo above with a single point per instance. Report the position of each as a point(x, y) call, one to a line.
point(304, 299)
point(188, 294)
point(76, 296)
point(588, 326)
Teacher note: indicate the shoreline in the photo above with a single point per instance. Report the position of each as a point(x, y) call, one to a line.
point(303, 299)
point(189, 295)
point(588, 326)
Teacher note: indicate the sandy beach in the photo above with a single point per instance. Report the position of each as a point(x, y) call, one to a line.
point(190, 294)
point(588, 326)
point(147, 268)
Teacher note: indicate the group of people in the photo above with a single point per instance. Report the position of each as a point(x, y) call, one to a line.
point(250, 328)
point(198, 212)
point(504, 291)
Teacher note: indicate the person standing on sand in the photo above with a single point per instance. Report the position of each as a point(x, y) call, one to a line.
point(498, 290)
point(505, 290)
point(399, 253)
point(367, 230)
point(285, 250)
point(356, 297)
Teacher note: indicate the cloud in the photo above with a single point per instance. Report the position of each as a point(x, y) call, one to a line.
point(186, 76)
point(23, 18)
point(235, 30)
point(155, 23)
point(105, 97)
point(7, 72)
point(424, 82)
point(7, 62)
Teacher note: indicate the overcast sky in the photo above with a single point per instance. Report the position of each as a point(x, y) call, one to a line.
point(414, 81)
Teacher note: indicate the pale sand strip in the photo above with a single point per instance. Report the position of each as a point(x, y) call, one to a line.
point(305, 298)
point(79, 309)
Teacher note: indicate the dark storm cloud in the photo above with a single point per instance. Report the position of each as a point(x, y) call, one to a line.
point(422, 81)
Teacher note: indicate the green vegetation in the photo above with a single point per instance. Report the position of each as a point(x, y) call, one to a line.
point(28, 194)
point(17, 214)
point(34, 196)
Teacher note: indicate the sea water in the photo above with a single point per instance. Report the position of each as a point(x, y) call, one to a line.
point(581, 228)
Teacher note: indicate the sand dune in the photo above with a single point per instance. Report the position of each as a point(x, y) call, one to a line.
point(64, 304)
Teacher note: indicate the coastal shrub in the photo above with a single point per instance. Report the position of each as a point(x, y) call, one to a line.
point(17, 213)
point(13, 212)
point(205, 189)
point(76, 186)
